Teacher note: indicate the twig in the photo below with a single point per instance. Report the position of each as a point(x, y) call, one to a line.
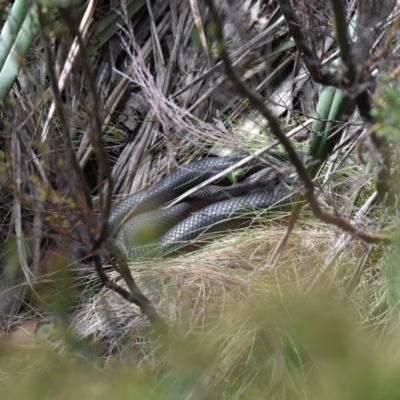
point(363, 79)
point(320, 75)
point(343, 39)
point(258, 102)
point(359, 270)
point(313, 65)
point(101, 154)
point(239, 164)
point(19, 234)
point(134, 295)
point(389, 40)
point(73, 53)
point(72, 161)
point(343, 240)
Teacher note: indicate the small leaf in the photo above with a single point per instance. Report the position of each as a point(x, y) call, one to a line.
point(236, 176)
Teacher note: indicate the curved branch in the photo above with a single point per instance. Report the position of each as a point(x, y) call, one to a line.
point(258, 103)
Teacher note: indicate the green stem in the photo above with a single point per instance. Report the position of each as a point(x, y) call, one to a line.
point(17, 55)
point(11, 28)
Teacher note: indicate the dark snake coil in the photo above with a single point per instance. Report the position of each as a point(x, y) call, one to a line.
point(145, 230)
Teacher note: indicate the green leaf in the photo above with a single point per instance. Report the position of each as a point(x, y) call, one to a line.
point(236, 176)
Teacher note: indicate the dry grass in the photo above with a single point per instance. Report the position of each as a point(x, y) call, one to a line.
point(191, 289)
point(238, 326)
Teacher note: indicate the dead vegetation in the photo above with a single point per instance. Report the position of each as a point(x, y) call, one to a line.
point(139, 98)
point(235, 267)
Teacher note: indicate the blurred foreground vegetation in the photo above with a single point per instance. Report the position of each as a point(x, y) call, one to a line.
point(301, 348)
point(321, 322)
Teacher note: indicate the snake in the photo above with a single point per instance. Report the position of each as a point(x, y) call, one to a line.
point(184, 227)
point(143, 229)
point(171, 186)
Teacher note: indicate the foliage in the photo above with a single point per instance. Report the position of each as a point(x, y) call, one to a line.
point(387, 104)
point(100, 99)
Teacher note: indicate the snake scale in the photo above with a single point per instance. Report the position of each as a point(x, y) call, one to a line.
point(143, 229)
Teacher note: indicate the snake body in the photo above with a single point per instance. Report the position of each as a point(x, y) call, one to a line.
point(211, 209)
point(157, 232)
point(173, 185)
point(189, 233)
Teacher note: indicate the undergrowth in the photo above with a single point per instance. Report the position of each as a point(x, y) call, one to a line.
point(322, 323)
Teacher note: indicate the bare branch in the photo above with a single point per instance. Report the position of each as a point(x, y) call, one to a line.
point(72, 161)
point(258, 102)
point(101, 154)
point(313, 65)
point(134, 295)
point(343, 40)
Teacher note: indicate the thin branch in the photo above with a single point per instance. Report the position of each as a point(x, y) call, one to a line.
point(101, 154)
point(258, 102)
point(72, 161)
point(343, 39)
point(134, 296)
point(313, 65)
point(388, 42)
point(17, 212)
point(72, 55)
point(360, 81)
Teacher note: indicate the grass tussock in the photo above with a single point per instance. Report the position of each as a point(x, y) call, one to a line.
point(149, 91)
point(239, 329)
point(234, 317)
